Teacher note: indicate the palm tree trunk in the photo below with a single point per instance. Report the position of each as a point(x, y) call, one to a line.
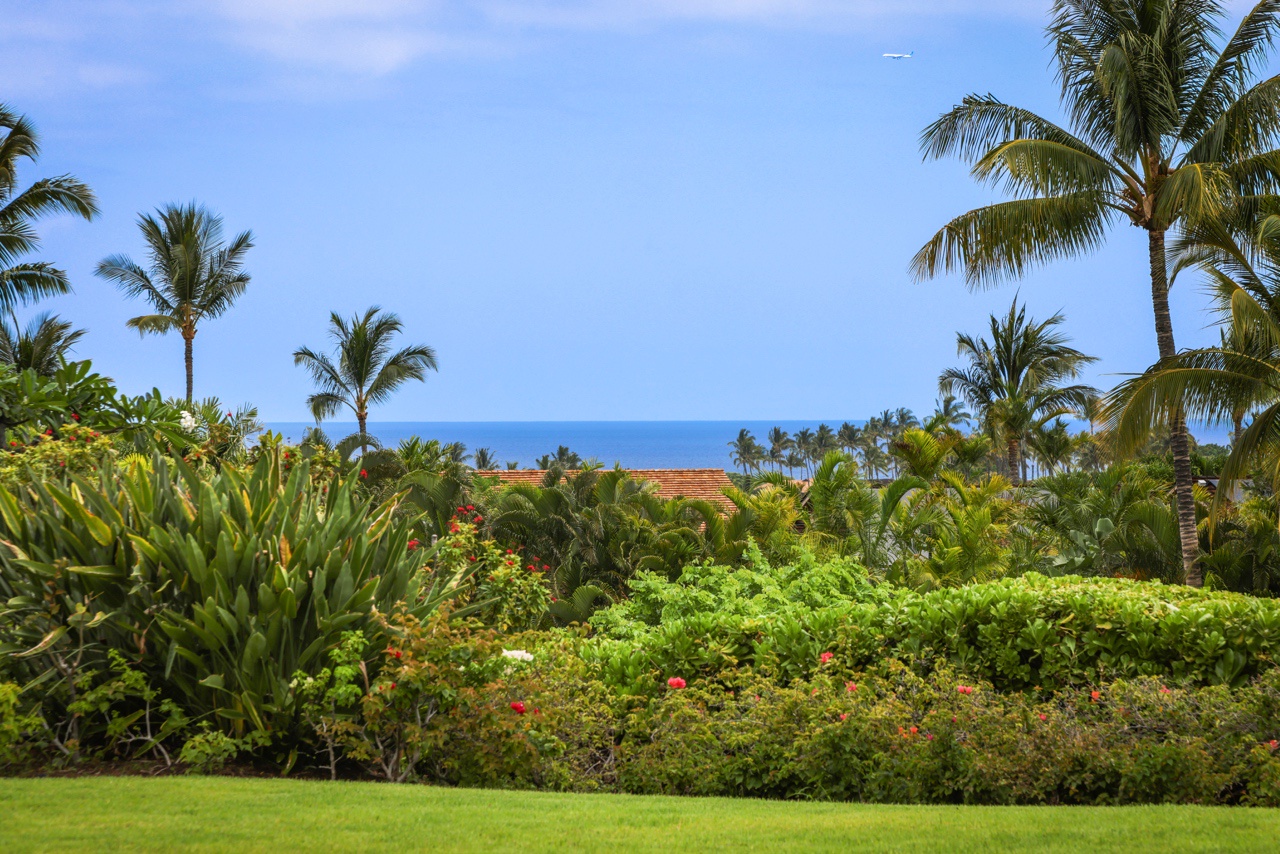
point(1183, 482)
point(187, 340)
point(1012, 456)
point(362, 418)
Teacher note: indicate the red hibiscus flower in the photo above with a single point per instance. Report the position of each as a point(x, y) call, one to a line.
point(676, 682)
point(826, 656)
point(517, 707)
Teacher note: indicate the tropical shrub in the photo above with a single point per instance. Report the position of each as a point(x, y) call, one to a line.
point(1018, 633)
point(894, 736)
point(448, 706)
point(508, 589)
point(32, 405)
point(18, 727)
point(73, 450)
point(219, 586)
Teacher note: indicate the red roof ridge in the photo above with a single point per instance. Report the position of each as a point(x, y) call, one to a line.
point(706, 484)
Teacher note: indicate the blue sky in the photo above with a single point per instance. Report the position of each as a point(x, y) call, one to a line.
point(592, 209)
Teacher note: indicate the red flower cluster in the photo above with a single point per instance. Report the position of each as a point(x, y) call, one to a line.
point(1273, 744)
point(965, 689)
point(413, 545)
point(1094, 696)
point(851, 687)
point(517, 707)
point(364, 473)
point(462, 512)
point(825, 657)
point(676, 683)
point(1043, 716)
point(1164, 690)
point(394, 652)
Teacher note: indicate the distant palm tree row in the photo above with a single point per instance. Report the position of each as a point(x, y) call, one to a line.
point(802, 453)
point(1019, 384)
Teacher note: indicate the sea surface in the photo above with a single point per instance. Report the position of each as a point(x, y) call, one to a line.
point(633, 444)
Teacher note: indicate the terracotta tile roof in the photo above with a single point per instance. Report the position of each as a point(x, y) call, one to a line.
point(704, 484)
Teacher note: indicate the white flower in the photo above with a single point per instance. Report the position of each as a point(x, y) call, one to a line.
point(517, 654)
point(187, 421)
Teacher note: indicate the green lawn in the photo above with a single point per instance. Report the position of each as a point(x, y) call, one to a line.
point(221, 814)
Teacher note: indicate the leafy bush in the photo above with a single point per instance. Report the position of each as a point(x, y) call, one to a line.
point(894, 736)
point(31, 404)
point(508, 592)
point(74, 450)
point(17, 727)
point(1019, 633)
point(448, 707)
point(220, 587)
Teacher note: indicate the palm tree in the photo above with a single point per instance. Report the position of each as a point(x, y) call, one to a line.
point(804, 447)
point(824, 442)
point(746, 451)
point(563, 459)
point(26, 282)
point(41, 346)
point(948, 414)
point(1167, 131)
point(194, 275)
point(365, 372)
point(1053, 446)
point(849, 437)
point(1014, 382)
point(484, 460)
point(779, 444)
point(1227, 382)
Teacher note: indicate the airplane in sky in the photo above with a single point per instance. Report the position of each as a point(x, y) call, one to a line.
point(900, 55)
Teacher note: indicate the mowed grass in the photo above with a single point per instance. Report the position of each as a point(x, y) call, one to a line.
point(225, 814)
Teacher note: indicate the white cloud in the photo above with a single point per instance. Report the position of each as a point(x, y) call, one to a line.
point(380, 36)
point(843, 14)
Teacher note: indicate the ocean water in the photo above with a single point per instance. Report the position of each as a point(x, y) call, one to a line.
point(633, 444)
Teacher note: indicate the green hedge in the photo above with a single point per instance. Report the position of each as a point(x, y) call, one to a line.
point(1018, 633)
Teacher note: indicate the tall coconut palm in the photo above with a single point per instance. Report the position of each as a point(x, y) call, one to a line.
point(484, 460)
point(1015, 381)
point(41, 346)
point(22, 283)
point(824, 442)
point(1167, 130)
point(780, 442)
point(1227, 382)
point(849, 437)
point(363, 371)
point(746, 451)
point(193, 277)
